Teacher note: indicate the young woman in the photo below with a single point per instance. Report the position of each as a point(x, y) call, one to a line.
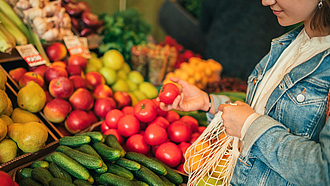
point(283, 124)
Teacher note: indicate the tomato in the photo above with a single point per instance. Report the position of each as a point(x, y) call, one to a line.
point(179, 131)
point(115, 133)
point(168, 93)
point(194, 137)
point(5, 179)
point(136, 143)
point(172, 116)
point(155, 135)
point(128, 125)
point(180, 168)
point(184, 146)
point(160, 112)
point(104, 127)
point(161, 121)
point(128, 110)
point(169, 153)
point(201, 129)
point(145, 110)
point(191, 121)
point(112, 117)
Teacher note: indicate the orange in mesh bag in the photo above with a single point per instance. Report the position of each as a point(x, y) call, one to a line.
point(211, 159)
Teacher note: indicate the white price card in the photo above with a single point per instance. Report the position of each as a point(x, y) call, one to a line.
point(30, 55)
point(73, 45)
point(84, 44)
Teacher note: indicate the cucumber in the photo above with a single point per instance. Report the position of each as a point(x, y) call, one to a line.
point(40, 163)
point(87, 160)
point(95, 136)
point(74, 141)
point(58, 172)
point(115, 180)
point(90, 150)
point(59, 182)
point(147, 162)
point(128, 164)
point(148, 176)
point(25, 172)
point(48, 158)
point(171, 175)
point(120, 171)
point(79, 182)
point(62, 148)
point(107, 153)
point(166, 181)
point(29, 182)
point(140, 183)
point(42, 175)
point(70, 165)
point(112, 141)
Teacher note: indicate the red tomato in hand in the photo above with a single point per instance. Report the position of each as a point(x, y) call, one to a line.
point(145, 111)
point(136, 143)
point(169, 153)
point(5, 179)
point(112, 118)
point(155, 135)
point(128, 125)
point(179, 131)
point(168, 93)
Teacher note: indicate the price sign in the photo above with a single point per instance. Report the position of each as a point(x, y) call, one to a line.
point(30, 55)
point(73, 45)
point(84, 44)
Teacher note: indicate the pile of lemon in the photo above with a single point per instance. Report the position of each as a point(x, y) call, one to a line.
point(197, 71)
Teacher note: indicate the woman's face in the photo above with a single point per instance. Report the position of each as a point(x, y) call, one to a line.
point(290, 12)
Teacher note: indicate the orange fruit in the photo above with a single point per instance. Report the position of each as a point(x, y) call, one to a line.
point(194, 162)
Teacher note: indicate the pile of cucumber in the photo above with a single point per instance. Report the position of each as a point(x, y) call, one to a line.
point(92, 158)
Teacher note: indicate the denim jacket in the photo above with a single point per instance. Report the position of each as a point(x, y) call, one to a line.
point(290, 143)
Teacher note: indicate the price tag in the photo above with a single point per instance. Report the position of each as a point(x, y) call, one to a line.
point(73, 45)
point(84, 44)
point(30, 55)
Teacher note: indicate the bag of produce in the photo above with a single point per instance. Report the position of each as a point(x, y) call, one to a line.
point(211, 159)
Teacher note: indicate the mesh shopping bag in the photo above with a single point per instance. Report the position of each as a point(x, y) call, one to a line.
point(211, 159)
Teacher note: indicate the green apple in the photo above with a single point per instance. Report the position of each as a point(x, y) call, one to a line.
point(136, 77)
point(126, 68)
point(139, 95)
point(96, 62)
point(132, 86)
point(121, 75)
point(148, 89)
point(208, 181)
point(120, 85)
point(134, 98)
point(113, 59)
point(109, 74)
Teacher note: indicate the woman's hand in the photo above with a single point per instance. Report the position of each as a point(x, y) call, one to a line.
point(191, 98)
point(234, 116)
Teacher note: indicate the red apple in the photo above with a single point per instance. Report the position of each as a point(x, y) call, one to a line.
point(63, 131)
point(77, 120)
point(56, 51)
point(82, 99)
point(73, 70)
point(48, 96)
point(112, 117)
point(55, 72)
point(102, 91)
point(115, 133)
point(93, 79)
point(30, 76)
point(17, 73)
point(191, 121)
point(78, 81)
point(103, 105)
point(122, 99)
point(128, 110)
point(60, 64)
point(172, 116)
point(57, 110)
point(61, 87)
point(92, 117)
point(41, 69)
point(104, 127)
point(161, 121)
point(78, 60)
point(160, 112)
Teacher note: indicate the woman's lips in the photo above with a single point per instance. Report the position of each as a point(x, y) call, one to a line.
point(276, 12)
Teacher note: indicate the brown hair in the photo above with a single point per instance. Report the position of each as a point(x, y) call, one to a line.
point(321, 19)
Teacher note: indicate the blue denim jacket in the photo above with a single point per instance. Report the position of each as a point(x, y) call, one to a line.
point(290, 143)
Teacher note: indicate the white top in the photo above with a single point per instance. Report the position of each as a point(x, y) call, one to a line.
point(300, 50)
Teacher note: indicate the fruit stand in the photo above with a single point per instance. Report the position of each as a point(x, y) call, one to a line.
point(78, 104)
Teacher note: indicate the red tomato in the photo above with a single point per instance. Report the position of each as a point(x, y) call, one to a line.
point(145, 110)
point(191, 121)
point(128, 125)
point(155, 135)
point(169, 153)
point(180, 168)
point(201, 129)
point(128, 110)
point(104, 127)
point(143, 126)
point(172, 116)
point(160, 112)
point(194, 137)
point(178, 132)
point(5, 179)
point(184, 146)
point(168, 93)
point(112, 118)
point(161, 121)
point(136, 143)
point(115, 133)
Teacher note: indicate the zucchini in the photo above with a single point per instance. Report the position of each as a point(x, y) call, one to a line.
point(107, 153)
point(115, 180)
point(120, 171)
point(79, 182)
point(29, 181)
point(128, 164)
point(59, 182)
point(146, 175)
point(112, 141)
point(74, 141)
point(58, 172)
point(40, 163)
point(147, 162)
point(171, 175)
point(42, 175)
point(95, 136)
point(25, 172)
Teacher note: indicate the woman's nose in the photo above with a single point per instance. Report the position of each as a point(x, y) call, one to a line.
point(268, 2)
